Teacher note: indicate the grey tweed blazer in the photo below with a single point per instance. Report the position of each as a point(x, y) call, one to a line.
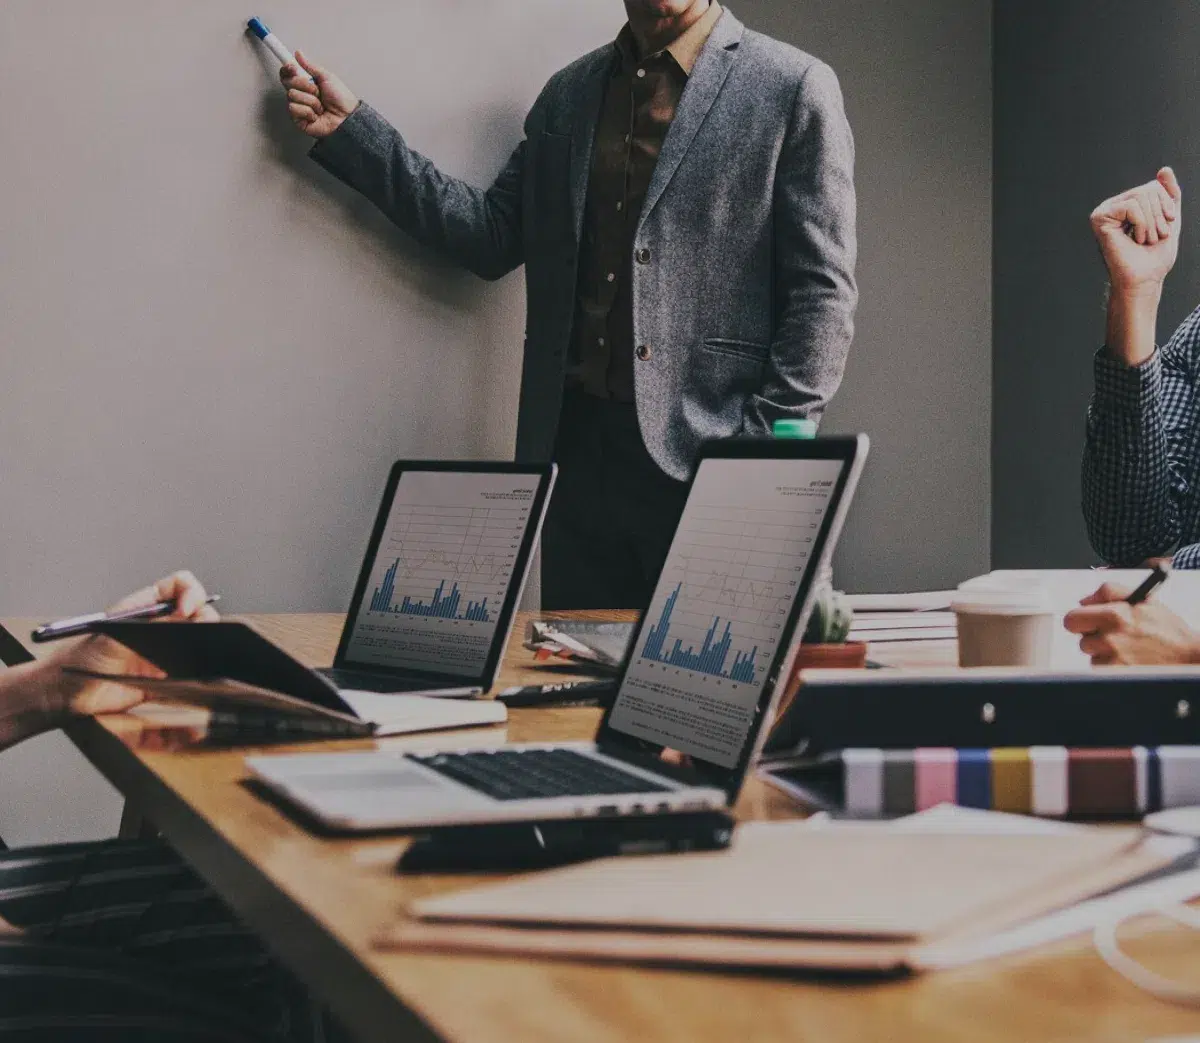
point(743, 290)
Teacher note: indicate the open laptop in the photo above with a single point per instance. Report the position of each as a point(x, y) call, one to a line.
point(442, 578)
point(707, 665)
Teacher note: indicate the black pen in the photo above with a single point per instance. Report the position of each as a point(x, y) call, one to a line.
point(1160, 575)
point(84, 624)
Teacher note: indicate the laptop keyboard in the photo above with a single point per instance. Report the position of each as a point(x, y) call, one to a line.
point(533, 774)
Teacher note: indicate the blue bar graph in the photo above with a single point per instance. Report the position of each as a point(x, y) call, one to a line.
point(440, 606)
point(713, 653)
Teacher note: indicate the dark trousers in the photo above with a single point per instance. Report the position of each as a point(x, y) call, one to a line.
point(614, 512)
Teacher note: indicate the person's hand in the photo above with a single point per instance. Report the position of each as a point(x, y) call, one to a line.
point(320, 105)
point(82, 695)
point(1138, 232)
point(1113, 632)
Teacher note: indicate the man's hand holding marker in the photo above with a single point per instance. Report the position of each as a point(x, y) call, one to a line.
point(318, 101)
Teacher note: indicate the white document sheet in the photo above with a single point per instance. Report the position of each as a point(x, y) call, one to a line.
point(405, 714)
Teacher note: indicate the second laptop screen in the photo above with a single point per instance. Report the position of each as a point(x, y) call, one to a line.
point(719, 612)
point(442, 571)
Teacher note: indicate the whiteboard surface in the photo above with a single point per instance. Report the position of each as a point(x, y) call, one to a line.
point(210, 351)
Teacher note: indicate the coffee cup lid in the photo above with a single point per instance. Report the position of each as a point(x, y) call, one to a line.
point(1001, 596)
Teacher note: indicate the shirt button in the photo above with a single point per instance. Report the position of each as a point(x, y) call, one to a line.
point(611, 277)
point(643, 352)
point(641, 74)
point(600, 342)
point(643, 256)
point(620, 206)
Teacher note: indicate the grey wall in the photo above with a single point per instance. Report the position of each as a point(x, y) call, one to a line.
point(1092, 97)
point(917, 81)
point(209, 352)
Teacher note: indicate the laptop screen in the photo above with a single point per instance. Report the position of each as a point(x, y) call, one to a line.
point(725, 606)
point(439, 587)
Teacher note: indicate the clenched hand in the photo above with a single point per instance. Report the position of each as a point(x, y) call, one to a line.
point(318, 106)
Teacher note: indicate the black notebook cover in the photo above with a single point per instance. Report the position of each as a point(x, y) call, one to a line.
point(230, 667)
point(978, 709)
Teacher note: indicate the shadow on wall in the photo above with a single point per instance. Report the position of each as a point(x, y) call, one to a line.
point(425, 273)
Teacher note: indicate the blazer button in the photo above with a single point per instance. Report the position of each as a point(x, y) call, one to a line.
point(643, 352)
point(643, 256)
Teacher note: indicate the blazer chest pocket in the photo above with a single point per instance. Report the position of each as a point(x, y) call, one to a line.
point(749, 350)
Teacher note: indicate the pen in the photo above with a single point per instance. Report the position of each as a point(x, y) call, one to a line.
point(1150, 584)
point(84, 624)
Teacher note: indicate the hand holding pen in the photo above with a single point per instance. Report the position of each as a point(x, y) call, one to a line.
point(179, 597)
point(1117, 626)
point(69, 688)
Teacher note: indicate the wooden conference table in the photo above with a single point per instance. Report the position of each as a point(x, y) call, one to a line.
point(319, 902)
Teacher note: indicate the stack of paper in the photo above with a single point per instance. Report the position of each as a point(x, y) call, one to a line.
point(844, 896)
point(879, 627)
point(921, 601)
point(922, 616)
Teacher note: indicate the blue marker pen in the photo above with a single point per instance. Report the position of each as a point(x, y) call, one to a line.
point(274, 44)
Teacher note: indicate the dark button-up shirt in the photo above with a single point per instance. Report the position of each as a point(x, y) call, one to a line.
point(638, 109)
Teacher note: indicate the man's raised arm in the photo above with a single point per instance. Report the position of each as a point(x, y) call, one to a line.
point(479, 229)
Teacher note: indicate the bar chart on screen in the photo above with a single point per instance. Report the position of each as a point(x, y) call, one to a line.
point(722, 605)
point(442, 570)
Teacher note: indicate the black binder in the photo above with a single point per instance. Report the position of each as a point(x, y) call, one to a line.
point(1109, 707)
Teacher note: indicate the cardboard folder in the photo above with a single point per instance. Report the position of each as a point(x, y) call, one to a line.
point(848, 897)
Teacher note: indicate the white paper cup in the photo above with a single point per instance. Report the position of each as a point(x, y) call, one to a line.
point(1004, 622)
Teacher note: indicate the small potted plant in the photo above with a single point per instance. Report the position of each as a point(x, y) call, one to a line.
point(824, 643)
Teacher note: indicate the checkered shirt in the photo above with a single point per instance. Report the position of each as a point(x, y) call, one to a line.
point(1141, 468)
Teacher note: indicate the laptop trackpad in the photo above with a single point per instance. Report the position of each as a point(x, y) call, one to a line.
point(359, 791)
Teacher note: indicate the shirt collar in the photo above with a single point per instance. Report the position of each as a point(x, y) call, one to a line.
point(685, 50)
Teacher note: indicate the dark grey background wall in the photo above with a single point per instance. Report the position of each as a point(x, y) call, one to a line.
point(917, 81)
point(209, 352)
point(1092, 97)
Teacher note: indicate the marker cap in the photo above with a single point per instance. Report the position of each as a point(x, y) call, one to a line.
point(258, 29)
point(794, 429)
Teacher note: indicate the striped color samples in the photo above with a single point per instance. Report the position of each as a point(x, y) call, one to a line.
point(1041, 780)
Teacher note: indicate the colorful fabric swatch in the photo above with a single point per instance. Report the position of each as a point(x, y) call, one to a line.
point(1051, 781)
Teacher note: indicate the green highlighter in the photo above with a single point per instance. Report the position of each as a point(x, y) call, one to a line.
point(794, 429)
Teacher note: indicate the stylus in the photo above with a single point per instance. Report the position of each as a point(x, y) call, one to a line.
point(84, 624)
point(1160, 575)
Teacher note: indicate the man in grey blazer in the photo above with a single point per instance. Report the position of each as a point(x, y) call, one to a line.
point(683, 203)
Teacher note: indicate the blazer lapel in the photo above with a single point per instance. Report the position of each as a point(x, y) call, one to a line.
point(703, 86)
point(590, 92)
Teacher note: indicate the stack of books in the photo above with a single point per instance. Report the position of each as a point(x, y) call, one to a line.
point(1051, 781)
